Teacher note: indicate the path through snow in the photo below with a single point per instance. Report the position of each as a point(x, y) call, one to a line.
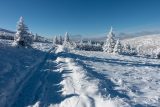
point(84, 89)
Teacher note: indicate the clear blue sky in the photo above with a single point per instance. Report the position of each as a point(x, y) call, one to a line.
point(84, 17)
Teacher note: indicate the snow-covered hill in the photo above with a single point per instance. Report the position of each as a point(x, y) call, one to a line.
point(148, 40)
point(47, 76)
point(6, 34)
point(7, 31)
point(146, 45)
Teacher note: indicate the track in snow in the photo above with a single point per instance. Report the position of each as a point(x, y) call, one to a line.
point(63, 80)
point(41, 85)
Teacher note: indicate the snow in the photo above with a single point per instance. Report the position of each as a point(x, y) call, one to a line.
point(16, 66)
point(146, 45)
point(134, 79)
point(47, 76)
point(84, 93)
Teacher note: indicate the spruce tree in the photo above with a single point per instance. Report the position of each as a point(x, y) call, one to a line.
point(35, 38)
point(110, 42)
point(55, 41)
point(60, 40)
point(66, 37)
point(67, 43)
point(118, 47)
point(22, 37)
point(81, 42)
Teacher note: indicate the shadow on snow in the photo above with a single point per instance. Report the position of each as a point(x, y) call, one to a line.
point(106, 86)
point(109, 60)
point(43, 86)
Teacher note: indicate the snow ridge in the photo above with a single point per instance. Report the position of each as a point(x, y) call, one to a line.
point(85, 90)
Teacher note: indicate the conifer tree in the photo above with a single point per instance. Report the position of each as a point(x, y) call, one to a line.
point(55, 40)
point(118, 47)
point(110, 42)
point(67, 43)
point(22, 37)
point(66, 37)
point(60, 40)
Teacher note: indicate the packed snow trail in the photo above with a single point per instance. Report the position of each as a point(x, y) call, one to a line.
point(87, 90)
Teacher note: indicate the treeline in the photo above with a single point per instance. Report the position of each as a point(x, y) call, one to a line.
point(112, 45)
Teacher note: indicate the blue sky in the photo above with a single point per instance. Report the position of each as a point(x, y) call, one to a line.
point(84, 17)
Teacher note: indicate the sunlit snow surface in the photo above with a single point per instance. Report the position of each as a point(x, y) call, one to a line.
point(46, 76)
point(135, 79)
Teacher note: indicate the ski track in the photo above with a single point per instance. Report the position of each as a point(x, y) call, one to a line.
point(38, 84)
point(25, 89)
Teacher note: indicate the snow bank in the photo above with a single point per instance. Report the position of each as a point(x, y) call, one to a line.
point(82, 89)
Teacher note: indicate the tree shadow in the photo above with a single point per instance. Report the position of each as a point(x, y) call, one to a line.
point(109, 60)
point(106, 86)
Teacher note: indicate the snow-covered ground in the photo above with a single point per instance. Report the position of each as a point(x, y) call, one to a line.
point(146, 41)
point(135, 80)
point(145, 45)
point(46, 76)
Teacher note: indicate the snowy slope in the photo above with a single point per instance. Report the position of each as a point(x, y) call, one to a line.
point(6, 34)
point(149, 44)
point(148, 40)
point(47, 76)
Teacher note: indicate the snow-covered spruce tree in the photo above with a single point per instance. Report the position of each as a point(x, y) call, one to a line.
point(129, 50)
point(80, 45)
point(110, 42)
point(22, 37)
point(89, 43)
point(35, 38)
point(31, 37)
point(127, 47)
point(66, 37)
point(55, 40)
point(60, 40)
point(67, 44)
point(81, 42)
point(158, 55)
point(118, 47)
